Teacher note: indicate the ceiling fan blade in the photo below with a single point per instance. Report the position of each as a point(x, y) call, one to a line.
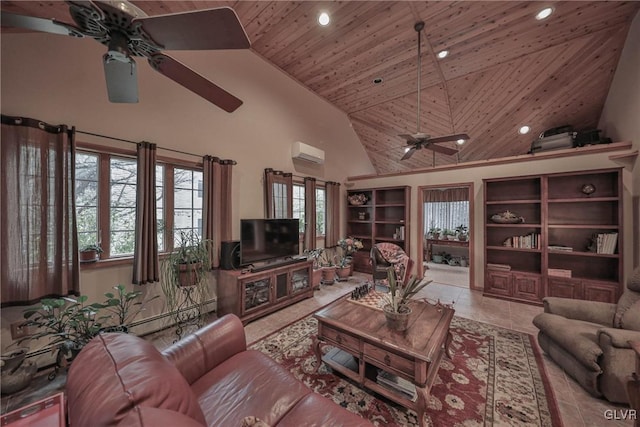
point(122, 79)
point(207, 29)
point(409, 138)
point(440, 149)
point(449, 138)
point(37, 24)
point(193, 81)
point(409, 153)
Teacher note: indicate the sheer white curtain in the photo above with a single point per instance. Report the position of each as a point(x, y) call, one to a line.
point(446, 208)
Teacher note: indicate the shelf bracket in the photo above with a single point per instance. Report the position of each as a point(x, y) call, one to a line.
point(627, 160)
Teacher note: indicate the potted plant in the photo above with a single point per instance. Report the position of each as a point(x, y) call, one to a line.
point(185, 274)
point(67, 322)
point(90, 253)
point(462, 231)
point(439, 257)
point(124, 306)
point(396, 308)
point(348, 247)
point(314, 255)
point(434, 232)
point(449, 234)
point(328, 267)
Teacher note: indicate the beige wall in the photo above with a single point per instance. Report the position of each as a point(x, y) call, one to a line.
point(621, 114)
point(60, 79)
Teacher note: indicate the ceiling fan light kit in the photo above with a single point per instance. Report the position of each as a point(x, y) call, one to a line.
point(127, 31)
point(419, 139)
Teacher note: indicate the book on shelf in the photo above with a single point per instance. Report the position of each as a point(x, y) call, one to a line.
point(397, 384)
point(498, 267)
point(530, 241)
point(559, 272)
point(560, 248)
point(606, 243)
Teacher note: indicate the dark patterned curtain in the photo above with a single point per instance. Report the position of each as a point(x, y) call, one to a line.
point(332, 234)
point(310, 213)
point(145, 254)
point(216, 204)
point(37, 216)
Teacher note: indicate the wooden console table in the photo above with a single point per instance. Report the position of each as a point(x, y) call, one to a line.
point(252, 295)
point(414, 355)
point(432, 242)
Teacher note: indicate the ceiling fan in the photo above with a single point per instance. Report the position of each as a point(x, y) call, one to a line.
point(128, 31)
point(422, 140)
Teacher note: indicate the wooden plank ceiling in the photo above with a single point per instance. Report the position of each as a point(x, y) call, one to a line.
point(505, 69)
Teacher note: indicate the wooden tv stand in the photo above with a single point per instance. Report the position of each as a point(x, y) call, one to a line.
point(253, 295)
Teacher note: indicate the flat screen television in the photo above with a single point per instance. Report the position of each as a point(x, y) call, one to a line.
point(268, 239)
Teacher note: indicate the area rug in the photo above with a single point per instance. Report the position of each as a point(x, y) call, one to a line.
point(496, 378)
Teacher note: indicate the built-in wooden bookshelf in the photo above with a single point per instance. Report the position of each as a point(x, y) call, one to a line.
point(567, 220)
point(384, 217)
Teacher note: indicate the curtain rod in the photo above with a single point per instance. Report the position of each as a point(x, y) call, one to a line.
point(317, 179)
point(136, 143)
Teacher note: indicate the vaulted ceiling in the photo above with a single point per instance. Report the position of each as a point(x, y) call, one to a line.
point(505, 69)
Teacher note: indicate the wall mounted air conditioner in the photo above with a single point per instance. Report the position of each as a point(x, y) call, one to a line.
point(302, 151)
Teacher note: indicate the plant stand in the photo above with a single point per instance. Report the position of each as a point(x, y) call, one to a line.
point(188, 312)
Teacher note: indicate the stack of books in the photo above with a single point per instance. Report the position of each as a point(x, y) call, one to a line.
point(559, 272)
point(499, 267)
point(606, 242)
point(399, 385)
point(530, 241)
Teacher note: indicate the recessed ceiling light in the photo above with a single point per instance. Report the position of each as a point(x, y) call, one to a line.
point(461, 141)
point(524, 130)
point(377, 80)
point(323, 19)
point(406, 149)
point(443, 54)
point(544, 13)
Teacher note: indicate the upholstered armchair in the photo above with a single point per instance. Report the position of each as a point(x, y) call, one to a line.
point(590, 340)
point(384, 256)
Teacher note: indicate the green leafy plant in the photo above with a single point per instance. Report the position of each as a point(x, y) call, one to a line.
point(89, 248)
point(124, 305)
point(398, 296)
point(187, 267)
point(314, 254)
point(348, 246)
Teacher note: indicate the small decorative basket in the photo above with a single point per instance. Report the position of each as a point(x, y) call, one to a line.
point(507, 217)
point(357, 199)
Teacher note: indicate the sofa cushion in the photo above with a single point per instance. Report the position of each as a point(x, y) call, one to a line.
point(633, 283)
point(575, 336)
point(631, 317)
point(115, 372)
point(144, 416)
point(314, 410)
point(247, 384)
point(626, 301)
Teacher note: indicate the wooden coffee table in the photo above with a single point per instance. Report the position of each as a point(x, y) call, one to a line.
point(360, 333)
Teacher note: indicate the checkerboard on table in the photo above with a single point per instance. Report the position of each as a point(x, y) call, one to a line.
point(373, 299)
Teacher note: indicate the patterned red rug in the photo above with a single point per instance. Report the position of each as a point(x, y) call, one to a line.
point(496, 378)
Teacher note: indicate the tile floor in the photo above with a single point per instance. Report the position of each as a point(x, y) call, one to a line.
point(577, 407)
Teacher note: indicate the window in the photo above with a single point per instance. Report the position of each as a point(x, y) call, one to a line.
point(299, 205)
point(280, 200)
point(87, 199)
point(122, 205)
point(160, 206)
point(187, 184)
point(446, 215)
point(106, 202)
point(320, 211)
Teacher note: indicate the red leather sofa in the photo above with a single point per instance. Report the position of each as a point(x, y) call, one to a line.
point(208, 378)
